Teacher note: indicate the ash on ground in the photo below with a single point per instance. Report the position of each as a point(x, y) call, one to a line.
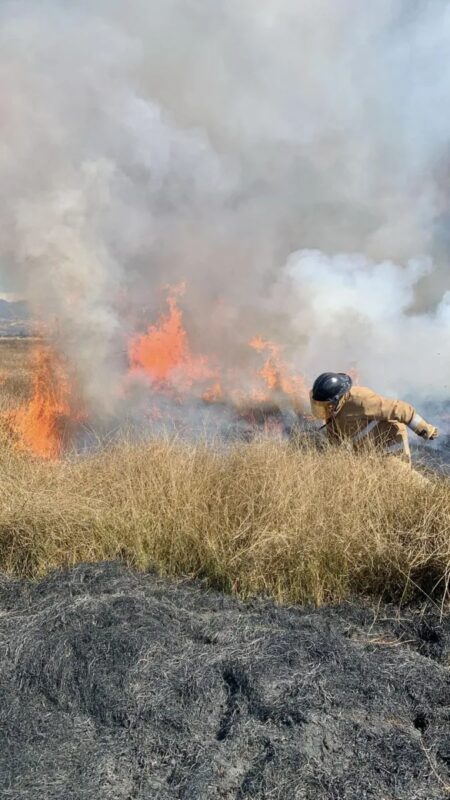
point(116, 685)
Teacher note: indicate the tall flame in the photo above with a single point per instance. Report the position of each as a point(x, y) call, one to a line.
point(44, 425)
point(164, 354)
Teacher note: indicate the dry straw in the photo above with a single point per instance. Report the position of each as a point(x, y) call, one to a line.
point(268, 517)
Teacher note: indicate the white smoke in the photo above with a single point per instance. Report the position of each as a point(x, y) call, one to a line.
point(143, 144)
point(358, 309)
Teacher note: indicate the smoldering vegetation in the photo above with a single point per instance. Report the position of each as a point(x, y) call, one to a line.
point(116, 685)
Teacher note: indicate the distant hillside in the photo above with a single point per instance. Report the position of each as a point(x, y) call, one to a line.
point(15, 318)
point(14, 310)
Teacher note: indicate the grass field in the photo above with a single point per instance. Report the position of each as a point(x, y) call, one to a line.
point(266, 517)
point(15, 361)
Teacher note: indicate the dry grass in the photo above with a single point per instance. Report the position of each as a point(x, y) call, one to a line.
point(267, 517)
point(15, 360)
point(270, 518)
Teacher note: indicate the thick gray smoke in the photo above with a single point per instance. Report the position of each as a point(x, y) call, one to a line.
point(244, 148)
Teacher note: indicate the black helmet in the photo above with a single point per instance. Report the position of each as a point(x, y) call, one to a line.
point(330, 387)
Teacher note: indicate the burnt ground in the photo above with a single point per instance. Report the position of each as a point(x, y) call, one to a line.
point(115, 685)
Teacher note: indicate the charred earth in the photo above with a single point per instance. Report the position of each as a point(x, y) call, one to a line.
point(116, 685)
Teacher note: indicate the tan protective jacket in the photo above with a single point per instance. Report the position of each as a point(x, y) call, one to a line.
point(364, 416)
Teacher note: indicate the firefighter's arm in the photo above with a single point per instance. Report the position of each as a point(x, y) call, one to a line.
point(400, 411)
point(423, 428)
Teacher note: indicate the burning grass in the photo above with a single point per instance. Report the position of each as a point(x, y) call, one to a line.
point(43, 425)
point(266, 517)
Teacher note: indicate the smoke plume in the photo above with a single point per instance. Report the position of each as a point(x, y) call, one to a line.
point(288, 159)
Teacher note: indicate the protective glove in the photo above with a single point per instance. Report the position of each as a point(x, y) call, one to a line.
point(430, 433)
point(422, 428)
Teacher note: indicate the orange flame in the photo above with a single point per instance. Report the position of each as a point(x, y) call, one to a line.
point(214, 394)
point(275, 373)
point(45, 425)
point(164, 354)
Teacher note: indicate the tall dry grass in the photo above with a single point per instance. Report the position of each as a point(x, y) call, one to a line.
point(267, 517)
point(15, 370)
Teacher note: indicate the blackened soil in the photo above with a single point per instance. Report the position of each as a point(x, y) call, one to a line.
point(116, 686)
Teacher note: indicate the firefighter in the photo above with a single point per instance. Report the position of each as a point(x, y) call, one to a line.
point(358, 415)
